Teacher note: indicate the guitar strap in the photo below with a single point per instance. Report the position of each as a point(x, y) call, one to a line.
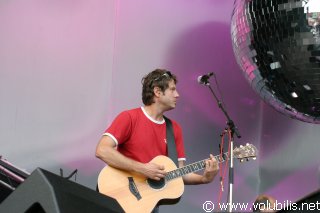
point(171, 145)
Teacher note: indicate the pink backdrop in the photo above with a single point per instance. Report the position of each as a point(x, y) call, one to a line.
point(67, 68)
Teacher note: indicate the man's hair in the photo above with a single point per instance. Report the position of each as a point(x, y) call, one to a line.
point(157, 78)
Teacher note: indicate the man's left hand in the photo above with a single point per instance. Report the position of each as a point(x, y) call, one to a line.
point(211, 169)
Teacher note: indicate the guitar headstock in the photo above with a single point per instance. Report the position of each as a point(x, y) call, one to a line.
point(245, 152)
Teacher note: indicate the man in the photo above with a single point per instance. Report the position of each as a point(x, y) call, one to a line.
point(139, 134)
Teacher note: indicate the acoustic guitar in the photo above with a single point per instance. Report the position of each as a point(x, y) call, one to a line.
point(136, 193)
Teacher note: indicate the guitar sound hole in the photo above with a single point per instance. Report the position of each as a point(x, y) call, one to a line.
point(156, 184)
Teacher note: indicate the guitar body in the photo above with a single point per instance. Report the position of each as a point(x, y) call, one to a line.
point(144, 194)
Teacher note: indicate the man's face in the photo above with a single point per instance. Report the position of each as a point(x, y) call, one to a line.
point(170, 96)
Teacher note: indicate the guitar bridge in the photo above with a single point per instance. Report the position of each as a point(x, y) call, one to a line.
point(133, 188)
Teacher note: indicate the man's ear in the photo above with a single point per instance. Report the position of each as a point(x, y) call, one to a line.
point(157, 91)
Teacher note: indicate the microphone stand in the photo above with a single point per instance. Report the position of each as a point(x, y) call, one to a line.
point(233, 129)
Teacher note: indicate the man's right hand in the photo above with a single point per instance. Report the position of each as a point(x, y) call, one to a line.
point(153, 171)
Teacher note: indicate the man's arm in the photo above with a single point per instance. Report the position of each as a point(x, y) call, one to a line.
point(209, 173)
point(106, 152)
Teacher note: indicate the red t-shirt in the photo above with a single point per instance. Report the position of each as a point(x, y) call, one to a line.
point(142, 138)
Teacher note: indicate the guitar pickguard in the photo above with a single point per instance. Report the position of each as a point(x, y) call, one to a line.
point(133, 188)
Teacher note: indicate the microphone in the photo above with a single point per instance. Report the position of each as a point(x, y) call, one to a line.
point(203, 79)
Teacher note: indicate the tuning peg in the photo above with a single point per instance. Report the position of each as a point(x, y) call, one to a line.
point(241, 146)
point(254, 158)
point(241, 160)
point(247, 144)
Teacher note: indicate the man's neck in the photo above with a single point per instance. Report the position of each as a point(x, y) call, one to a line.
point(154, 112)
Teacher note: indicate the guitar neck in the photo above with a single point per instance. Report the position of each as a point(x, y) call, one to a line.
point(194, 167)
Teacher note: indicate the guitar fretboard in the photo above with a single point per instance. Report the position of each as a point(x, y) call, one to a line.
point(194, 167)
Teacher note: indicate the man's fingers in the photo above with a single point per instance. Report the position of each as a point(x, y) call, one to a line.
point(156, 178)
point(161, 167)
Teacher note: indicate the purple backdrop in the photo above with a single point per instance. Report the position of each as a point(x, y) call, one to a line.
point(69, 67)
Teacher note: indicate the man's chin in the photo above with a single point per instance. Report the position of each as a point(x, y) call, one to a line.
point(171, 107)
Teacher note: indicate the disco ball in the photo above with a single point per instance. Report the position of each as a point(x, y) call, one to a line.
point(277, 45)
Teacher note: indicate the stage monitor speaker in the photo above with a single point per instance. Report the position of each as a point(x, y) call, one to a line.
point(5, 191)
point(44, 191)
point(309, 203)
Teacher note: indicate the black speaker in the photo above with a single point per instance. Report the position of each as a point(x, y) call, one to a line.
point(309, 203)
point(5, 190)
point(44, 191)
